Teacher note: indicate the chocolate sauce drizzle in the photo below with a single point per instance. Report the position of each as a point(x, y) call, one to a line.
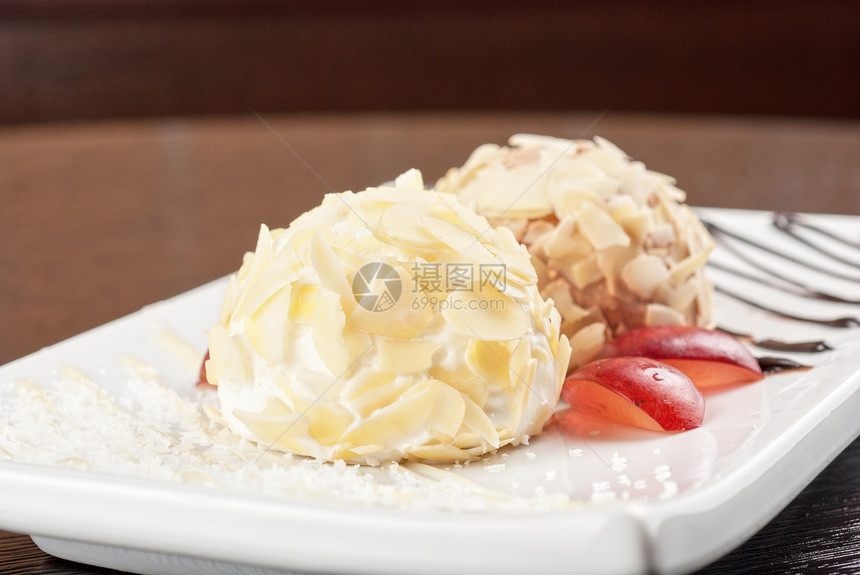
point(718, 231)
point(797, 220)
point(780, 364)
point(841, 322)
point(792, 286)
point(811, 346)
point(788, 224)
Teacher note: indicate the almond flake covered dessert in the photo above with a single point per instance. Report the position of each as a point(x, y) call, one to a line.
point(613, 243)
point(387, 324)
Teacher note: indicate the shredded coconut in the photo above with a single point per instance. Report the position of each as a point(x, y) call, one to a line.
point(149, 430)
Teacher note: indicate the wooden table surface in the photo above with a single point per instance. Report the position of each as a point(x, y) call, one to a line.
point(100, 219)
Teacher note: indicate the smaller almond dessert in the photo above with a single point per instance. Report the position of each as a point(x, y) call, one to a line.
point(613, 243)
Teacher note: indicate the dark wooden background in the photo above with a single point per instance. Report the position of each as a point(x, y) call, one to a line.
point(86, 59)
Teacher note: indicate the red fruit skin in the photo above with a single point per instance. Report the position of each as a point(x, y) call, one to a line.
point(643, 392)
point(707, 356)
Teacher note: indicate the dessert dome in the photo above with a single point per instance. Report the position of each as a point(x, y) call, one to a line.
point(387, 324)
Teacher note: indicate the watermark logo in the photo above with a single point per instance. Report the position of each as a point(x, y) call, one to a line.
point(377, 286)
point(436, 277)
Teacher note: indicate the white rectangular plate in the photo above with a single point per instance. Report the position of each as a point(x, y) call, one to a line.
point(597, 498)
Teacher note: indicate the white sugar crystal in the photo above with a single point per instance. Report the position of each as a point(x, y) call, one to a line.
point(602, 492)
point(670, 489)
point(618, 463)
point(662, 473)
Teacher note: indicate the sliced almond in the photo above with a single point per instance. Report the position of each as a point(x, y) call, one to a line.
point(638, 225)
point(226, 361)
point(398, 421)
point(379, 397)
point(467, 439)
point(514, 268)
point(599, 228)
point(516, 193)
point(278, 432)
point(620, 207)
point(329, 321)
point(363, 382)
point(568, 200)
point(586, 343)
point(356, 341)
point(461, 241)
point(360, 250)
point(681, 271)
point(571, 168)
point(381, 195)
point(490, 361)
point(402, 356)
point(403, 224)
point(331, 273)
point(253, 269)
point(522, 390)
point(609, 161)
point(536, 229)
point(684, 297)
point(487, 315)
point(476, 224)
point(303, 304)
point(561, 239)
point(611, 261)
point(411, 181)
point(463, 380)
point(660, 235)
point(562, 358)
point(559, 292)
point(586, 272)
point(519, 358)
point(477, 420)
point(317, 384)
point(632, 180)
point(658, 314)
point(441, 452)
point(230, 298)
point(327, 422)
point(448, 410)
point(644, 274)
point(265, 327)
point(278, 276)
point(409, 317)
